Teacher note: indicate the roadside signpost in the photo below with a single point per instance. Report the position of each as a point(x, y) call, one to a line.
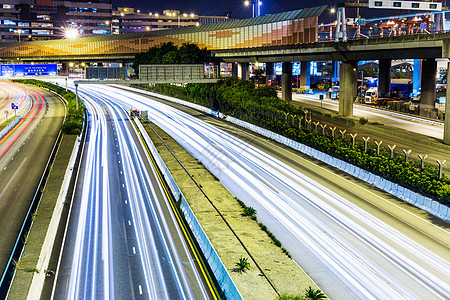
point(14, 107)
point(6, 115)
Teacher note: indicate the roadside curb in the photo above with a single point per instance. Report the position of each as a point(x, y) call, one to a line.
point(47, 245)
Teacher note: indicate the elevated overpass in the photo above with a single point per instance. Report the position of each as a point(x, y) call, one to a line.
point(284, 37)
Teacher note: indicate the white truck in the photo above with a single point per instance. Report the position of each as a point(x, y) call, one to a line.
point(371, 95)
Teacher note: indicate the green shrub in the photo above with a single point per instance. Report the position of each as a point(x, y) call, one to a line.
point(363, 121)
point(242, 265)
point(249, 211)
point(312, 294)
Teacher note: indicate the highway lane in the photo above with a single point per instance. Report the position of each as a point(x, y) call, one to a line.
point(24, 153)
point(417, 124)
point(122, 241)
point(11, 93)
point(355, 241)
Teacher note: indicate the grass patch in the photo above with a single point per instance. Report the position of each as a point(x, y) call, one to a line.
point(242, 265)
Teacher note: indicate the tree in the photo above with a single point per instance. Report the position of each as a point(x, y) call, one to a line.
point(398, 75)
point(192, 54)
point(168, 53)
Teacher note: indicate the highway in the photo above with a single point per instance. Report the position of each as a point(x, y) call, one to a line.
point(24, 153)
point(353, 240)
point(11, 93)
point(122, 240)
point(420, 125)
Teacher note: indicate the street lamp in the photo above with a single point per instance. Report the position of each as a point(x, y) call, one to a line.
point(19, 31)
point(253, 2)
point(247, 3)
point(70, 33)
point(70, 66)
point(111, 27)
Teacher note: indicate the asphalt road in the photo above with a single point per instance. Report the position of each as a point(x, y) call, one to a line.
point(122, 240)
point(352, 239)
point(12, 93)
point(23, 157)
point(413, 127)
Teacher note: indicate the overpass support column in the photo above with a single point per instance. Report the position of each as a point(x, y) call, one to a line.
point(447, 115)
point(347, 87)
point(384, 77)
point(244, 71)
point(234, 69)
point(305, 75)
point(416, 76)
point(286, 82)
point(335, 68)
point(428, 91)
point(270, 74)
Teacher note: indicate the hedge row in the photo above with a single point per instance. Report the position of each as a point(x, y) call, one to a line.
point(73, 123)
point(261, 107)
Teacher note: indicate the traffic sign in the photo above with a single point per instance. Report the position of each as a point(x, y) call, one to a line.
point(14, 106)
point(423, 25)
point(6, 112)
point(360, 21)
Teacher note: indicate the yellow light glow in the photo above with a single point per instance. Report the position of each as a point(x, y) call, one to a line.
point(71, 33)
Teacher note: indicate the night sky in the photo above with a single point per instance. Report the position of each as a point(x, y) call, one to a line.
point(219, 7)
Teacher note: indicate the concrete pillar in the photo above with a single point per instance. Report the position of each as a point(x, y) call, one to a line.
point(270, 72)
point(428, 88)
point(244, 70)
point(447, 114)
point(384, 77)
point(416, 76)
point(286, 82)
point(305, 75)
point(234, 69)
point(347, 87)
point(335, 69)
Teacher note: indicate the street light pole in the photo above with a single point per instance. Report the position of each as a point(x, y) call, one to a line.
point(76, 95)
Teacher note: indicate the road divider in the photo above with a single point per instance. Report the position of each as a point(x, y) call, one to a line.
point(216, 265)
point(10, 126)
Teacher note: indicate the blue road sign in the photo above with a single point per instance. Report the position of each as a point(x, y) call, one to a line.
point(423, 25)
point(14, 106)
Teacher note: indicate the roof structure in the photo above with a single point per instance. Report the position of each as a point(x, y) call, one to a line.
point(267, 19)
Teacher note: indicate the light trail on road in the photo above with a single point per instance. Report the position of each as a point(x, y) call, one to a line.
point(432, 128)
point(11, 93)
point(24, 155)
point(362, 255)
point(14, 135)
point(122, 241)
